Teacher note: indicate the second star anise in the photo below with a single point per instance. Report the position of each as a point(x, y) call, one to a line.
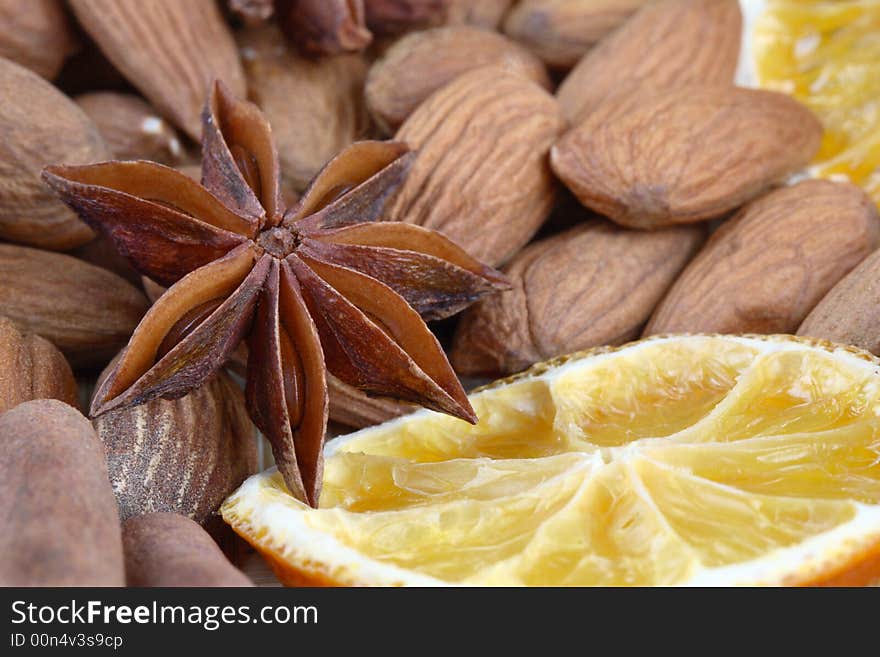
point(324, 284)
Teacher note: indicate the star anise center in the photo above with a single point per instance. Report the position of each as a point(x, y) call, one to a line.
point(278, 242)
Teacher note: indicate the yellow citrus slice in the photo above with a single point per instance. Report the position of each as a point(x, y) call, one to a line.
point(676, 460)
point(826, 53)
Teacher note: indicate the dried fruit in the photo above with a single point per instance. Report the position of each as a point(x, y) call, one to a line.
point(60, 526)
point(324, 27)
point(85, 311)
point(696, 460)
point(31, 368)
point(395, 16)
point(323, 282)
point(315, 107)
point(850, 312)
point(668, 43)
point(166, 549)
point(39, 124)
point(766, 268)
point(131, 128)
point(596, 284)
point(561, 31)
point(36, 34)
point(683, 154)
point(183, 456)
point(480, 174)
point(169, 50)
point(422, 62)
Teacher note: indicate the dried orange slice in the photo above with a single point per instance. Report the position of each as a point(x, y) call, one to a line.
point(826, 53)
point(676, 460)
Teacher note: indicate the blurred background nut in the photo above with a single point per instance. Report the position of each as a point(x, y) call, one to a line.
point(595, 284)
point(85, 311)
point(422, 62)
point(40, 125)
point(36, 34)
point(324, 27)
point(31, 368)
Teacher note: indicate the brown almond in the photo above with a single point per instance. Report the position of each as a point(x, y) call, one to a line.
point(684, 154)
point(60, 526)
point(324, 27)
point(766, 268)
point(561, 31)
point(665, 44)
point(167, 549)
point(36, 34)
point(850, 312)
point(395, 16)
point(482, 13)
point(315, 107)
point(182, 456)
point(595, 284)
point(353, 408)
point(38, 126)
point(131, 128)
point(422, 62)
point(481, 174)
point(102, 253)
point(85, 311)
point(32, 368)
point(170, 50)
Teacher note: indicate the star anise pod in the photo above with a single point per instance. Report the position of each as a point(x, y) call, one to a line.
point(325, 283)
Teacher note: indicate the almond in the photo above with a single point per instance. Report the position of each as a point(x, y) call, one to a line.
point(481, 174)
point(561, 31)
point(684, 154)
point(36, 34)
point(595, 284)
point(315, 107)
point(353, 408)
point(85, 311)
point(32, 368)
point(850, 312)
point(170, 50)
point(669, 43)
point(395, 16)
point(766, 268)
point(182, 456)
point(60, 526)
point(131, 128)
point(422, 62)
point(39, 125)
point(167, 549)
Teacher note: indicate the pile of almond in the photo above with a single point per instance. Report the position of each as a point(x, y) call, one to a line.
point(597, 151)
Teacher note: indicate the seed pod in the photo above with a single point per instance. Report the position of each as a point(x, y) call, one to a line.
point(60, 524)
point(32, 368)
point(765, 269)
point(595, 284)
point(167, 549)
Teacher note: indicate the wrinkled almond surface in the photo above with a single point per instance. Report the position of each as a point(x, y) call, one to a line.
point(36, 34)
point(422, 62)
point(684, 154)
point(353, 408)
point(594, 284)
point(767, 267)
point(665, 44)
point(481, 174)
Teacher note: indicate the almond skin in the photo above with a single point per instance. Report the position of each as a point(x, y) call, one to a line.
point(170, 50)
point(315, 106)
point(561, 31)
point(665, 44)
point(422, 62)
point(353, 408)
point(131, 128)
point(166, 549)
point(685, 154)
point(39, 125)
point(850, 312)
point(32, 368)
point(182, 456)
point(85, 311)
point(396, 16)
point(766, 268)
point(36, 34)
point(60, 526)
point(481, 174)
point(595, 284)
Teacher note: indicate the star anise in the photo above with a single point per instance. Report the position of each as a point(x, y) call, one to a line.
point(325, 283)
